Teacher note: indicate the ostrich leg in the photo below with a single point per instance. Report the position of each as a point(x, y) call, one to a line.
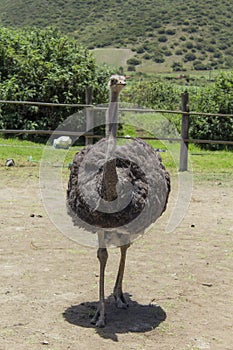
point(117, 292)
point(99, 318)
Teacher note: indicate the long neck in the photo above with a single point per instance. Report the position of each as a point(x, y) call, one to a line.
point(114, 95)
point(109, 181)
point(112, 115)
point(110, 178)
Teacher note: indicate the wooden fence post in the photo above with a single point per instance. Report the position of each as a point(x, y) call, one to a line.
point(184, 132)
point(89, 115)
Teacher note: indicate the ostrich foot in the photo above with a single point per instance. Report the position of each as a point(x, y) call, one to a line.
point(121, 302)
point(99, 318)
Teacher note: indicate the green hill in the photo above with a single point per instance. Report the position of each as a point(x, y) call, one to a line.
point(170, 33)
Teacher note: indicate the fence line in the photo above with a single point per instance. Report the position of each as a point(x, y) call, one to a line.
point(184, 112)
point(90, 135)
point(45, 104)
point(123, 109)
point(46, 132)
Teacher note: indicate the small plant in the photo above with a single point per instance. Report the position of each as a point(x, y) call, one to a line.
point(170, 31)
point(189, 57)
point(183, 38)
point(189, 45)
point(177, 67)
point(133, 61)
point(131, 69)
point(146, 56)
point(179, 52)
point(162, 38)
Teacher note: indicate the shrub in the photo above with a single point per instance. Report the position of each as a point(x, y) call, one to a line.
point(156, 93)
point(189, 57)
point(131, 69)
point(222, 46)
point(214, 99)
point(146, 56)
point(140, 50)
point(162, 38)
point(133, 61)
point(177, 67)
point(192, 30)
point(202, 57)
point(167, 53)
point(44, 65)
point(199, 46)
point(159, 59)
point(189, 45)
point(210, 48)
point(161, 31)
point(183, 38)
point(198, 65)
point(170, 31)
point(217, 54)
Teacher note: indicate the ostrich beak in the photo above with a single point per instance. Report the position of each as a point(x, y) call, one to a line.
point(121, 82)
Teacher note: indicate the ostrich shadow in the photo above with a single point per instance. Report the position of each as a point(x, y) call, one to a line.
point(136, 318)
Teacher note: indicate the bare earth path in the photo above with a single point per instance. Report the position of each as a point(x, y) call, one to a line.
point(180, 285)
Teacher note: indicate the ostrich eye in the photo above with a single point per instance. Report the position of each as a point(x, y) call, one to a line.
point(113, 81)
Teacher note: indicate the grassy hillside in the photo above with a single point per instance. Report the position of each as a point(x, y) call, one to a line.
point(169, 33)
point(112, 56)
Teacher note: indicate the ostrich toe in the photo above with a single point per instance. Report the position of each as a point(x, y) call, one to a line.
point(121, 302)
point(99, 319)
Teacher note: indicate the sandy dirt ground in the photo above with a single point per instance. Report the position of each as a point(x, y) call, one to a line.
point(179, 285)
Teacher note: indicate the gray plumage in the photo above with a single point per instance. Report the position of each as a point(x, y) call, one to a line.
point(116, 191)
point(143, 183)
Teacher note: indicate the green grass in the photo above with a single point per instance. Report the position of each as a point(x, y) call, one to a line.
point(222, 159)
point(23, 152)
point(206, 165)
point(112, 56)
point(212, 166)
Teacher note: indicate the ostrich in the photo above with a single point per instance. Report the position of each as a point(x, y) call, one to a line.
point(109, 194)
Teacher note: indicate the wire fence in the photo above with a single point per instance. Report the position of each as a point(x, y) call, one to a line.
point(184, 112)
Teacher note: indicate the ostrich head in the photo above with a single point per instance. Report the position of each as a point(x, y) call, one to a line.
point(117, 83)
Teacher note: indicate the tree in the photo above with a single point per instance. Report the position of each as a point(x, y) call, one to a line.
point(156, 93)
point(133, 61)
point(214, 99)
point(177, 67)
point(189, 57)
point(44, 65)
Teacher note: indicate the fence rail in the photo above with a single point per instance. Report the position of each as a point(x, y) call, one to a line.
point(123, 109)
point(90, 135)
point(184, 112)
point(44, 104)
